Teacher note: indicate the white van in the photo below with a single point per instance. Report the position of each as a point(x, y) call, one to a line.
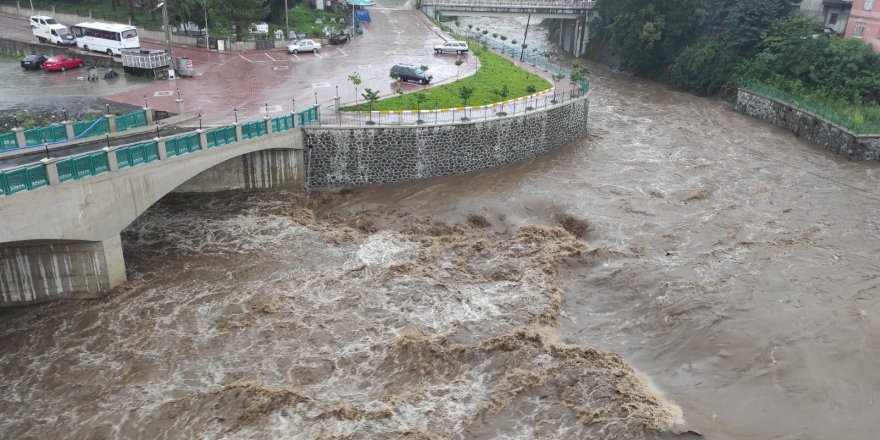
point(46, 29)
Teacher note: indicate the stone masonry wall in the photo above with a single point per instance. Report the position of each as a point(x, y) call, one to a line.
point(811, 127)
point(352, 156)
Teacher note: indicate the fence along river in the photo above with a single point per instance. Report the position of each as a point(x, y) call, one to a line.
point(730, 263)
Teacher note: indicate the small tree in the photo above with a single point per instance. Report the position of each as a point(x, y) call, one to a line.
point(530, 89)
point(494, 34)
point(420, 98)
point(371, 96)
point(399, 91)
point(465, 92)
point(579, 73)
point(458, 64)
point(355, 79)
point(395, 76)
point(502, 93)
point(556, 78)
point(513, 42)
point(504, 38)
point(523, 52)
point(457, 23)
point(485, 32)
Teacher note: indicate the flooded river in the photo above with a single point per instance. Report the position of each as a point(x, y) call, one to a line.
point(682, 268)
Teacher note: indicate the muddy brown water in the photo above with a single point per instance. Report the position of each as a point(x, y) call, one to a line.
point(717, 275)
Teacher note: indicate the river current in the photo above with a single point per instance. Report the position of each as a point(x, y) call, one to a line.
point(684, 268)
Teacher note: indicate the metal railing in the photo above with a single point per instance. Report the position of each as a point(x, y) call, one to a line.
point(77, 167)
point(282, 123)
point(95, 127)
point(8, 142)
point(253, 129)
point(23, 179)
point(131, 120)
point(137, 154)
point(220, 136)
point(452, 115)
point(179, 145)
point(51, 134)
point(309, 116)
point(823, 111)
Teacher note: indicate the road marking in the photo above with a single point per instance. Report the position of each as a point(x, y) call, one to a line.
point(364, 66)
point(281, 68)
point(242, 57)
point(297, 58)
point(320, 85)
point(390, 52)
point(343, 52)
point(316, 55)
point(271, 109)
point(164, 93)
point(270, 57)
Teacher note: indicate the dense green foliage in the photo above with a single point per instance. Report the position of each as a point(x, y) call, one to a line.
point(708, 47)
point(495, 73)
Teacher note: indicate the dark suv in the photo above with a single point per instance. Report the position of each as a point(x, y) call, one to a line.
point(410, 72)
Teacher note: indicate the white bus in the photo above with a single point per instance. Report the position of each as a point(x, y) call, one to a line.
point(109, 38)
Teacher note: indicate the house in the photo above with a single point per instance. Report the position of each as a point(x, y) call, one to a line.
point(864, 23)
point(831, 15)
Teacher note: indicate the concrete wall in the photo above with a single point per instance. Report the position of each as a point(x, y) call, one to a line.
point(19, 49)
point(36, 272)
point(813, 128)
point(353, 156)
point(257, 170)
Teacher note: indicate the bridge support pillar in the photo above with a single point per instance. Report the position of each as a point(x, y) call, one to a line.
point(111, 122)
point(52, 170)
point(32, 272)
point(112, 163)
point(160, 145)
point(19, 137)
point(203, 139)
point(68, 128)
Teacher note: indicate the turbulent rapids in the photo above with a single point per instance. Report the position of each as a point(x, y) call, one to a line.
point(249, 317)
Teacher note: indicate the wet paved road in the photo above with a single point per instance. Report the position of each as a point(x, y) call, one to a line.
point(248, 81)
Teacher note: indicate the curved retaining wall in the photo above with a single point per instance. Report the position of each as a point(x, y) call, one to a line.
point(352, 156)
point(809, 126)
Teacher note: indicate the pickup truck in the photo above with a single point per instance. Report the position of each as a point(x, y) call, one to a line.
point(46, 29)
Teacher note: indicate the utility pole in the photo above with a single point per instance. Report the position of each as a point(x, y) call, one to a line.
point(523, 52)
point(207, 37)
point(286, 22)
point(164, 6)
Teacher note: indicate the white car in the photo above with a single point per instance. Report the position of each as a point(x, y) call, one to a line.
point(458, 47)
point(304, 45)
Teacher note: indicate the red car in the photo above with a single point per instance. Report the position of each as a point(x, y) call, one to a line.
point(61, 62)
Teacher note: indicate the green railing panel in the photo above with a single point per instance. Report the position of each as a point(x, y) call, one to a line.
point(253, 129)
point(282, 123)
point(309, 116)
point(78, 167)
point(23, 179)
point(131, 120)
point(99, 128)
point(8, 142)
point(182, 145)
point(220, 136)
point(137, 154)
point(53, 133)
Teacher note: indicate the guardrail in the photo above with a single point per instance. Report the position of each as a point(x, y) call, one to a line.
point(71, 130)
point(52, 172)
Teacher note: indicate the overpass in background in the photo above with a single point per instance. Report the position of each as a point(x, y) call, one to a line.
point(574, 15)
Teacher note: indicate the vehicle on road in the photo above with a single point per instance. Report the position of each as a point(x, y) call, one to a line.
point(61, 62)
point(458, 47)
point(33, 62)
point(304, 45)
point(410, 72)
point(46, 29)
point(109, 38)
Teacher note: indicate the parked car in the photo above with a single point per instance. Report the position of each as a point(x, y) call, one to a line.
point(61, 62)
point(33, 62)
point(458, 47)
point(47, 30)
point(410, 72)
point(304, 45)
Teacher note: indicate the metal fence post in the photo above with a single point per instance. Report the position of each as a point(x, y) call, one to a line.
point(112, 162)
point(19, 137)
point(51, 170)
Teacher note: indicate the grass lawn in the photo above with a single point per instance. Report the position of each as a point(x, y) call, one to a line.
point(495, 71)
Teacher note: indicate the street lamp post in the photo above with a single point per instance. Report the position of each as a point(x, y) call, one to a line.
point(286, 21)
point(164, 6)
point(207, 37)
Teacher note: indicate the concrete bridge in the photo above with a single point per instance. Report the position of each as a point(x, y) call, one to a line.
point(574, 15)
point(63, 241)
